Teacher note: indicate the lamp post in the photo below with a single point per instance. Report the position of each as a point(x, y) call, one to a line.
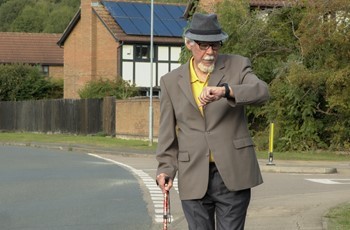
point(151, 86)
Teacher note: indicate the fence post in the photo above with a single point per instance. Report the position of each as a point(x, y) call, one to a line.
point(108, 116)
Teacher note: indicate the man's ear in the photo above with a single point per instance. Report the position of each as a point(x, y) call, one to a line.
point(188, 45)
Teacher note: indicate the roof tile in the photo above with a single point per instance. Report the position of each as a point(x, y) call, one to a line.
point(31, 48)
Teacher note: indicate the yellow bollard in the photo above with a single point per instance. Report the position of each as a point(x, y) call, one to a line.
point(271, 144)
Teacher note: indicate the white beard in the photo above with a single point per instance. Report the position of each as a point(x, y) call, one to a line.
point(206, 69)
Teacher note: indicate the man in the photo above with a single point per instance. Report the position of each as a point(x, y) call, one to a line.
point(203, 133)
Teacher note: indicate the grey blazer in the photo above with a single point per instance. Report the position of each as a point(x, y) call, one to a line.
point(185, 136)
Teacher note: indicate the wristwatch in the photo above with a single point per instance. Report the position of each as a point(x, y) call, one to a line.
point(227, 90)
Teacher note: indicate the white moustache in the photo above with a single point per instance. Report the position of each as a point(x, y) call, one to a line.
point(208, 58)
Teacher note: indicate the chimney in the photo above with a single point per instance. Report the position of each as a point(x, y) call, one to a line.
point(87, 40)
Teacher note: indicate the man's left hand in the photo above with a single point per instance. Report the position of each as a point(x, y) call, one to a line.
point(211, 94)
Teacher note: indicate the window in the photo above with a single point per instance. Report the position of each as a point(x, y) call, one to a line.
point(45, 70)
point(142, 52)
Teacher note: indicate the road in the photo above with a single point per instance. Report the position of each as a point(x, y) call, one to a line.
point(285, 201)
point(293, 201)
point(51, 189)
point(42, 189)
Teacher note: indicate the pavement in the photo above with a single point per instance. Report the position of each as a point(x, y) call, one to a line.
point(146, 160)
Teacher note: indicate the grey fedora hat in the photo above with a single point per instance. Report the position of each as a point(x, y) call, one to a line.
point(205, 27)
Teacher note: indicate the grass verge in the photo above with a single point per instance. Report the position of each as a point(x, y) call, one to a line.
point(90, 140)
point(338, 217)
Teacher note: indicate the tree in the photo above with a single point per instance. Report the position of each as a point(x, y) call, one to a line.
point(36, 15)
point(43, 16)
point(58, 19)
point(31, 19)
point(303, 52)
point(325, 53)
point(2, 1)
point(9, 11)
point(267, 39)
point(70, 3)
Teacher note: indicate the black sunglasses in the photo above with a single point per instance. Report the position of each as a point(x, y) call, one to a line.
point(206, 45)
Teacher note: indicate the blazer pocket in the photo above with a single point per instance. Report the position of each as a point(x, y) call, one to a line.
point(184, 156)
point(244, 142)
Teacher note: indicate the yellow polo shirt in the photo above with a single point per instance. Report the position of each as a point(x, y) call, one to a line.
point(197, 88)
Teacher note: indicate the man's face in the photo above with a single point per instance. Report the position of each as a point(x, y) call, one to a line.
point(204, 55)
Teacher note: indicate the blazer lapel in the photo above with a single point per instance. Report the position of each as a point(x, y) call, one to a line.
point(185, 84)
point(218, 74)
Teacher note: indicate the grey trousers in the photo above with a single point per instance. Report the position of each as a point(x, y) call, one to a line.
point(227, 208)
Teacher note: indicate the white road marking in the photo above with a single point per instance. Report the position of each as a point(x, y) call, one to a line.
point(330, 181)
point(154, 190)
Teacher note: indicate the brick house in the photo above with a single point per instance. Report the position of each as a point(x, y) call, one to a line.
point(111, 39)
point(37, 49)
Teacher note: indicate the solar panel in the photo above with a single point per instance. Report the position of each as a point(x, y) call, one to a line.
point(162, 12)
point(128, 26)
point(173, 26)
point(134, 18)
point(115, 10)
point(142, 25)
point(145, 9)
point(130, 10)
point(175, 12)
point(160, 29)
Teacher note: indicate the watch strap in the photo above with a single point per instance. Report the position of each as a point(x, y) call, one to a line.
point(227, 90)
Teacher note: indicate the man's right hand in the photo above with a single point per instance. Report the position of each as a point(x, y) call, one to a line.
point(164, 182)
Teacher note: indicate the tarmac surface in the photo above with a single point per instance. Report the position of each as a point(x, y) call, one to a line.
point(281, 215)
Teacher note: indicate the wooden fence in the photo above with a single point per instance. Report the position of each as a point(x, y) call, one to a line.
point(78, 116)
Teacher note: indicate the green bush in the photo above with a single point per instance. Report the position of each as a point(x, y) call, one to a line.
point(120, 89)
point(20, 82)
point(55, 89)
